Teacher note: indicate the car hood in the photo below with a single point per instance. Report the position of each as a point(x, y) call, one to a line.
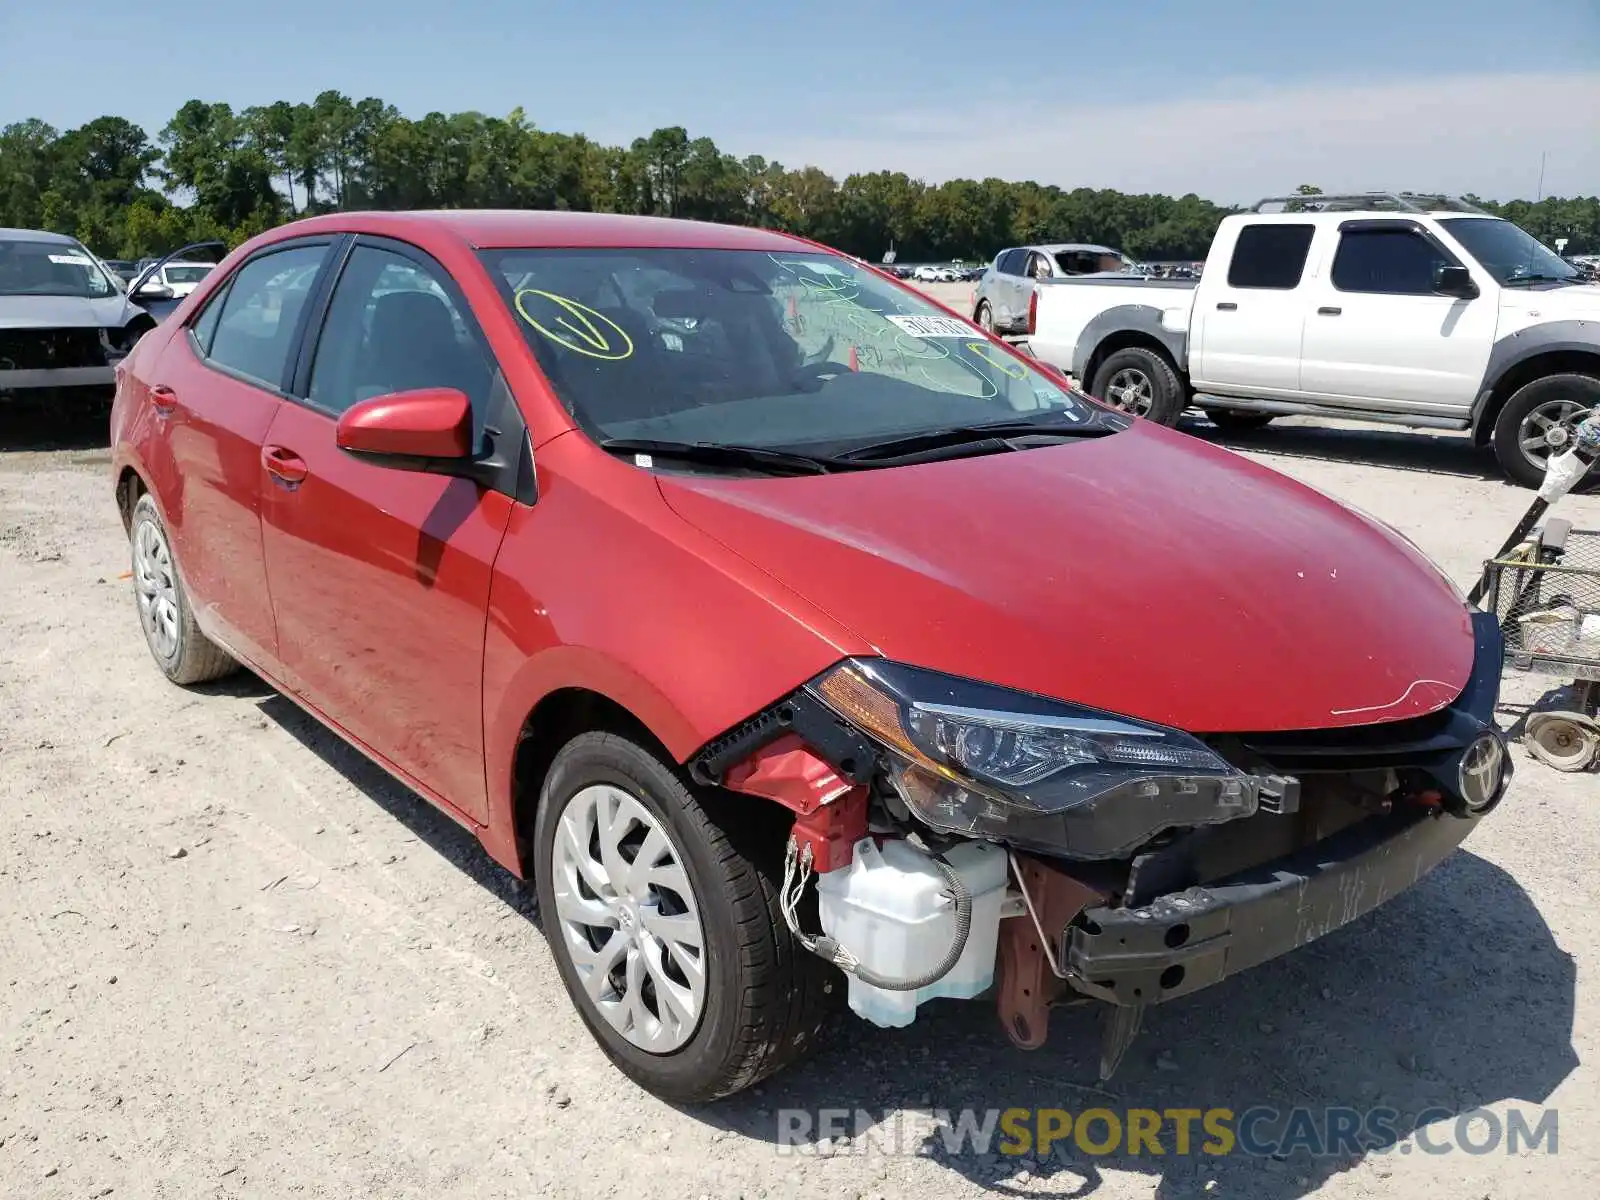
point(1554, 302)
point(65, 312)
point(1145, 573)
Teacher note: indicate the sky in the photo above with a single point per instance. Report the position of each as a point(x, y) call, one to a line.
point(1230, 99)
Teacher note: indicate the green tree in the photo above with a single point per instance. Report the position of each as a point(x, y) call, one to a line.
point(221, 173)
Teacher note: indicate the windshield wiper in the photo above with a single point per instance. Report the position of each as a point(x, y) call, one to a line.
point(983, 438)
point(721, 454)
point(1521, 279)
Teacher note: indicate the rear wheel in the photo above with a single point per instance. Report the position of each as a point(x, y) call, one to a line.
point(1539, 421)
point(1141, 382)
point(1238, 420)
point(666, 930)
point(180, 649)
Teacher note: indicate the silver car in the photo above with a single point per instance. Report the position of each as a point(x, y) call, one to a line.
point(1001, 302)
point(64, 321)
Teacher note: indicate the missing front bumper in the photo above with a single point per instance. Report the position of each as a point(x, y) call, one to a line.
point(1185, 941)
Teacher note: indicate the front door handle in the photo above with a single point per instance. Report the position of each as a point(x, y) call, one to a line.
point(163, 399)
point(1329, 311)
point(285, 466)
point(1227, 306)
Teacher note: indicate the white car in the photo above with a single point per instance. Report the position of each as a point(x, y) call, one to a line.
point(1005, 291)
point(65, 322)
point(182, 277)
point(1391, 307)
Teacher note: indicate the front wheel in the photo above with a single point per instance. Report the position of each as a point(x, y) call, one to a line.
point(1538, 421)
point(1141, 382)
point(985, 316)
point(667, 933)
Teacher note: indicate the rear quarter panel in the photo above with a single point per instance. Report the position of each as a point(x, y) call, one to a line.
point(1069, 307)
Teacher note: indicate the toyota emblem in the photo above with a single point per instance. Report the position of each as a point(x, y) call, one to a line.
point(1482, 774)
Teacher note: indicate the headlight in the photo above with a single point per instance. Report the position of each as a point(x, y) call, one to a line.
point(981, 760)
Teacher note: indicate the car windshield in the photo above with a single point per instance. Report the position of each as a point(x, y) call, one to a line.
point(184, 273)
point(740, 347)
point(1508, 252)
point(29, 268)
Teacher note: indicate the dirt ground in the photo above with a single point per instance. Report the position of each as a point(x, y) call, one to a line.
point(237, 960)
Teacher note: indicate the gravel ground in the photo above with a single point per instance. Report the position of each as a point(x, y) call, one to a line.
point(237, 960)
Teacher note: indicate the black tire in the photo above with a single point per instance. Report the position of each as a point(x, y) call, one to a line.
point(1166, 400)
point(768, 1001)
point(1553, 393)
point(984, 316)
point(1238, 420)
point(192, 657)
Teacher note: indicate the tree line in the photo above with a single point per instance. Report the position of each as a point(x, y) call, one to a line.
point(213, 172)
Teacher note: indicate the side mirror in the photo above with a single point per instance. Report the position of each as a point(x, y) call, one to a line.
point(153, 291)
point(1455, 281)
point(429, 429)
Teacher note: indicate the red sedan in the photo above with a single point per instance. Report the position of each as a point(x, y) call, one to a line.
point(802, 642)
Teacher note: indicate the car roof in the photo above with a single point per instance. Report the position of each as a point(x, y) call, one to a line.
point(517, 228)
point(1058, 247)
point(1361, 214)
point(37, 235)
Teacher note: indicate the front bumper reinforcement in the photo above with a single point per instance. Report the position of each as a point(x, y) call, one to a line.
point(1185, 941)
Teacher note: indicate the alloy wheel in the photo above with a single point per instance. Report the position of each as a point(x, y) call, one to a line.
point(1132, 391)
point(629, 919)
point(1548, 429)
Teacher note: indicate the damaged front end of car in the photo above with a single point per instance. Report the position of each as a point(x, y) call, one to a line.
point(965, 838)
point(36, 363)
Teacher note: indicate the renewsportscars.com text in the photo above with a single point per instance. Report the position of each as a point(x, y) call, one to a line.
point(1259, 1131)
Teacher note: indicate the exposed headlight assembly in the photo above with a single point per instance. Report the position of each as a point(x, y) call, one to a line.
point(984, 761)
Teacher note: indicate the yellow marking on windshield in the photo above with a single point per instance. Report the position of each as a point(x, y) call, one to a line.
point(1010, 370)
point(590, 333)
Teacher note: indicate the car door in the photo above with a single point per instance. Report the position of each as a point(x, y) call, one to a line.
point(1248, 319)
point(1379, 334)
point(215, 388)
point(380, 577)
point(1019, 288)
point(1007, 270)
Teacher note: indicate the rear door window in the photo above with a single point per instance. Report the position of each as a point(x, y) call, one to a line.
point(255, 329)
point(1270, 255)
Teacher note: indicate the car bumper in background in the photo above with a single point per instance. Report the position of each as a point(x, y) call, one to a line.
point(63, 377)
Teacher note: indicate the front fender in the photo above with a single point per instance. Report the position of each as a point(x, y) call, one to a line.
point(1516, 348)
point(601, 586)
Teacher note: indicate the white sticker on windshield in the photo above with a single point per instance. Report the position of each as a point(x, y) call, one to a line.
point(932, 327)
point(70, 260)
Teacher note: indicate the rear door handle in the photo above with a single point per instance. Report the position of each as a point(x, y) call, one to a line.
point(163, 399)
point(1227, 306)
point(285, 466)
point(1329, 312)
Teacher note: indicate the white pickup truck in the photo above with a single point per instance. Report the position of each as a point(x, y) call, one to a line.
point(1405, 309)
